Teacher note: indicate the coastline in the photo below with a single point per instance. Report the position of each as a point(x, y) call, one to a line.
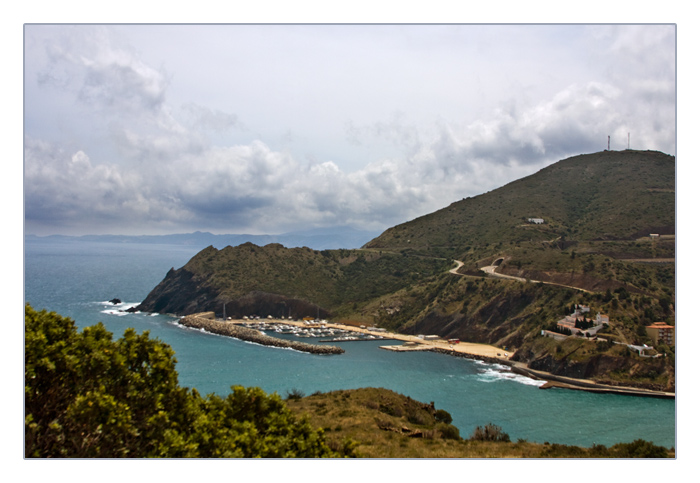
point(469, 350)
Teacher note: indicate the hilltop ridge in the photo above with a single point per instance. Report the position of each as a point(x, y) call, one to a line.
point(610, 195)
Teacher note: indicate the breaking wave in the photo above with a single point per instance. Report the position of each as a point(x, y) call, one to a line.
point(119, 309)
point(496, 372)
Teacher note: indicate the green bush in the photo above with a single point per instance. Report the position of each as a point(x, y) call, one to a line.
point(449, 431)
point(87, 395)
point(443, 416)
point(420, 417)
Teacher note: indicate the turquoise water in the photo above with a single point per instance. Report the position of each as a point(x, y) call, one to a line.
point(76, 279)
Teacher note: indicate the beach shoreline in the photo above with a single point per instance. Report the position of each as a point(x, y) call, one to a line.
point(470, 350)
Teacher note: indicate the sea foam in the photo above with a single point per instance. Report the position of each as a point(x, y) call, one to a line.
point(119, 309)
point(497, 372)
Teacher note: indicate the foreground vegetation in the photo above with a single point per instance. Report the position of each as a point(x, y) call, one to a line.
point(89, 396)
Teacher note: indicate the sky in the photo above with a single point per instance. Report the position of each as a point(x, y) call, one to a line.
point(156, 129)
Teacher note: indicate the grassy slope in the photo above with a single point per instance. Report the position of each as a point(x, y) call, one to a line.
point(331, 278)
point(379, 423)
point(607, 195)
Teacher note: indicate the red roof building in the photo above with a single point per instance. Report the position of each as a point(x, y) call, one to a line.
point(662, 332)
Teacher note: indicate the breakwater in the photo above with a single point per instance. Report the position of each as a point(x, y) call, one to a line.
point(554, 380)
point(490, 360)
point(207, 322)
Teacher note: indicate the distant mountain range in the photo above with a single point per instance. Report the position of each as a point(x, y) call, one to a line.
point(331, 238)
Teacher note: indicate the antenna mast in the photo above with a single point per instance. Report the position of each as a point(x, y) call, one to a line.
point(608, 143)
point(628, 140)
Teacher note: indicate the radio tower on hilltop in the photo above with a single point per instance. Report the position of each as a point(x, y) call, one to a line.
point(608, 143)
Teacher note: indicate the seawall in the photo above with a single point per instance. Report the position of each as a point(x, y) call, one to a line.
point(561, 381)
point(586, 385)
point(207, 322)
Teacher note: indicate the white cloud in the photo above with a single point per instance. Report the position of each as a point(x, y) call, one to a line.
point(86, 62)
point(110, 148)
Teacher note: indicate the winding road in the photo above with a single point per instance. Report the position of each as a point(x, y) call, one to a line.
point(490, 271)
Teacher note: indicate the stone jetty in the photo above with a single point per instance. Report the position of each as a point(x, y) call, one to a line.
point(207, 322)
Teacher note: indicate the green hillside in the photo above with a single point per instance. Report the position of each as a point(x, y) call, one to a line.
point(611, 195)
point(279, 281)
point(593, 248)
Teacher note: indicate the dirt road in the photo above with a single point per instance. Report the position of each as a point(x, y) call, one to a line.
point(491, 272)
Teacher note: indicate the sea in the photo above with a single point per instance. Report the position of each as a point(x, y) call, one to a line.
point(77, 279)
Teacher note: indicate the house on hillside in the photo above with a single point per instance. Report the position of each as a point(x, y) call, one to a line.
point(536, 221)
point(662, 332)
point(568, 323)
point(585, 326)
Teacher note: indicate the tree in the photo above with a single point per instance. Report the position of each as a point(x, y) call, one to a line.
point(89, 396)
point(665, 303)
point(443, 416)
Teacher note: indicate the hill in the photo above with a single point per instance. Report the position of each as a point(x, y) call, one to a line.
point(611, 195)
point(576, 232)
point(278, 281)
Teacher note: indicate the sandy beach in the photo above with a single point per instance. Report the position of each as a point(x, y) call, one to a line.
point(466, 348)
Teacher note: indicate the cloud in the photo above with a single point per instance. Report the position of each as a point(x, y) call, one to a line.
point(86, 63)
point(124, 156)
point(62, 187)
point(204, 118)
point(237, 187)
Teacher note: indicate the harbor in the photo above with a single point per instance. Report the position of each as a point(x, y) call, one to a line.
point(338, 332)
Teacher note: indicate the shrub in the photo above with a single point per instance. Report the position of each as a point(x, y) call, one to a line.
point(420, 417)
point(449, 431)
point(391, 410)
point(490, 432)
point(295, 394)
point(639, 448)
point(443, 416)
point(87, 395)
